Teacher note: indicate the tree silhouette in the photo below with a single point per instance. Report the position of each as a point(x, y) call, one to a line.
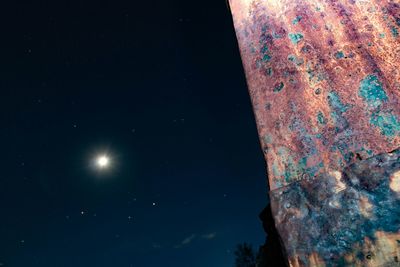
point(245, 256)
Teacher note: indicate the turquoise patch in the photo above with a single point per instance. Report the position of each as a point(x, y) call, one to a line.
point(296, 20)
point(371, 91)
point(336, 103)
point(387, 123)
point(321, 119)
point(295, 37)
point(394, 31)
point(339, 55)
point(266, 58)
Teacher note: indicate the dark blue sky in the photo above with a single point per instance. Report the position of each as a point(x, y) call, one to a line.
point(159, 86)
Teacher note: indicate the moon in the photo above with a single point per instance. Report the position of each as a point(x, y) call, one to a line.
point(103, 161)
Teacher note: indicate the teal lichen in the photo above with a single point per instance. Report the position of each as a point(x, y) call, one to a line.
point(296, 20)
point(268, 139)
point(290, 171)
point(371, 90)
point(265, 53)
point(395, 31)
point(335, 102)
point(295, 37)
point(295, 60)
point(339, 55)
point(291, 58)
point(269, 71)
point(310, 72)
point(386, 122)
point(381, 35)
point(337, 111)
point(321, 119)
point(264, 49)
point(279, 87)
point(303, 163)
point(266, 58)
point(275, 169)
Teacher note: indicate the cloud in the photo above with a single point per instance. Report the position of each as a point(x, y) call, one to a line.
point(156, 245)
point(209, 236)
point(186, 241)
point(192, 237)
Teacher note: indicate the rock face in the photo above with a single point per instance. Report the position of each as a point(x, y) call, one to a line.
point(324, 79)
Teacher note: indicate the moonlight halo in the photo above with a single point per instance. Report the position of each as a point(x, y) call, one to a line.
point(102, 162)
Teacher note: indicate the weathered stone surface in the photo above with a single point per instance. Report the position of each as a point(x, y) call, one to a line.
point(343, 218)
point(324, 79)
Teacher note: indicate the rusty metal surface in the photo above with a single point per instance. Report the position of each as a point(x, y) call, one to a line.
point(324, 78)
point(349, 218)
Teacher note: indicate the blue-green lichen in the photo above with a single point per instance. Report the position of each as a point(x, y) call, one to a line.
point(337, 111)
point(321, 118)
point(386, 122)
point(395, 31)
point(279, 87)
point(339, 55)
point(295, 37)
point(295, 60)
point(296, 20)
point(371, 90)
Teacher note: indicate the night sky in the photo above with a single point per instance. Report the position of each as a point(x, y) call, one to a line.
point(158, 87)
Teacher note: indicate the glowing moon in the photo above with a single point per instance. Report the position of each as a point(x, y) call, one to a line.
point(103, 161)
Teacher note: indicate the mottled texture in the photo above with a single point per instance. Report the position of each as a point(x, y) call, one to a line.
point(342, 218)
point(324, 80)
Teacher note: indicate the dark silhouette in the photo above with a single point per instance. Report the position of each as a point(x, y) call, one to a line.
point(271, 253)
point(245, 256)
